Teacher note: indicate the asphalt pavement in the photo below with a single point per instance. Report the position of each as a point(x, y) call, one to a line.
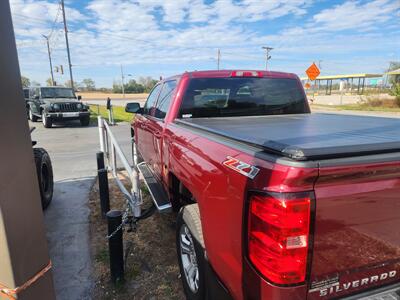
point(72, 149)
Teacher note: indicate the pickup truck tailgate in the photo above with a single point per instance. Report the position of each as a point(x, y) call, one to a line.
point(357, 229)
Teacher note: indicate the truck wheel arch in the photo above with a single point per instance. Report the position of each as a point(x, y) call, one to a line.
point(191, 216)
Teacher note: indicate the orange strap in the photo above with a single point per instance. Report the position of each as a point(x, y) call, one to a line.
point(12, 293)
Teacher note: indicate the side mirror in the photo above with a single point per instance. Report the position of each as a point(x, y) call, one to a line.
point(133, 107)
point(79, 97)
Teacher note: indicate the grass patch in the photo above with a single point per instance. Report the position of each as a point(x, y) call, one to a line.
point(369, 104)
point(359, 107)
point(119, 113)
point(102, 256)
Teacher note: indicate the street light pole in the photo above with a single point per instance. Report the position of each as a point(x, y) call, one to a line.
point(122, 80)
point(268, 57)
point(51, 65)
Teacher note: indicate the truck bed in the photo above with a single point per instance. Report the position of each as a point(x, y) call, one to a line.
point(308, 136)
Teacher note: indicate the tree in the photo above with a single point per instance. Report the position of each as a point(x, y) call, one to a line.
point(116, 88)
point(393, 65)
point(68, 84)
point(49, 82)
point(133, 87)
point(26, 82)
point(88, 84)
point(394, 79)
point(147, 82)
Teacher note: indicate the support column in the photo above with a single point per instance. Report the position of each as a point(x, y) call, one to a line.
point(23, 245)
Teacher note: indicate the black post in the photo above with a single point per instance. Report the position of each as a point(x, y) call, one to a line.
point(100, 160)
point(103, 190)
point(115, 246)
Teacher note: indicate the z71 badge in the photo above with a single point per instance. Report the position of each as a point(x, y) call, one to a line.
point(241, 167)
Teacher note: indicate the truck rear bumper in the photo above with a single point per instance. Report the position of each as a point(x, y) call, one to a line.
point(387, 292)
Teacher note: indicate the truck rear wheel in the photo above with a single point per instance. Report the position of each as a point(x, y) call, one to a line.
point(191, 252)
point(44, 172)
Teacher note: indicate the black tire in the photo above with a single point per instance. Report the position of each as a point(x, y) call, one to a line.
point(85, 121)
point(190, 293)
point(31, 116)
point(44, 171)
point(47, 122)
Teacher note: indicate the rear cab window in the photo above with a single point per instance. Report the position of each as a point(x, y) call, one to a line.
point(245, 96)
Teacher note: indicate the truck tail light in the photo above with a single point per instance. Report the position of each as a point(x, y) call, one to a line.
point(246, 74)
point(278, 236)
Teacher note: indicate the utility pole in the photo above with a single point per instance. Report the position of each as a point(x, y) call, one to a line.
point(218, 58)
point(268, 57)
point(51, 65)
point(67, 43)
point(122, 80)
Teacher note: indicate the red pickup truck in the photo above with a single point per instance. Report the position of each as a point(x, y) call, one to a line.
point(274, 202)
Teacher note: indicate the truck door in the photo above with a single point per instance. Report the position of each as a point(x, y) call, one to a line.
point(156, 126)
point(143, 135)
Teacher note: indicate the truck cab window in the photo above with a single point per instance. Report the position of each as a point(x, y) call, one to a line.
point(151, 100)
point(165, 99)
point(231, 97)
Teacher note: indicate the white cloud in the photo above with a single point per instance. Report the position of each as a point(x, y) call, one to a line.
point(188, 32)
point(356, 15)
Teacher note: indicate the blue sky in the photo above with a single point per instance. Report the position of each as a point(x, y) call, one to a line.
point(166, 37)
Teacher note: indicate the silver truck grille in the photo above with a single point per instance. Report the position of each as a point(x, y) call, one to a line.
point(65, 107)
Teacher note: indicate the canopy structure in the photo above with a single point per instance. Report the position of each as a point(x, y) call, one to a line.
point(394, 72)
point(360, 78)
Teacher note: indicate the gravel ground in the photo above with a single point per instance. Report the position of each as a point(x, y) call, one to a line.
point(151, 266)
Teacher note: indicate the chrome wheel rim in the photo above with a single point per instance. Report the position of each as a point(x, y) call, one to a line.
point(43, 119)
point(30, 115)
point(189, 259)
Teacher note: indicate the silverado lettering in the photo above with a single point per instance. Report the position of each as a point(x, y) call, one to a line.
point(356, 283)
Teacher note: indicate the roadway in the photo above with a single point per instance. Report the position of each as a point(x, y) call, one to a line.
point(73, 154)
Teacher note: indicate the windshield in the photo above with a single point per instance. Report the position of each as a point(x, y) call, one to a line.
point(57, 93)
point(227, 97)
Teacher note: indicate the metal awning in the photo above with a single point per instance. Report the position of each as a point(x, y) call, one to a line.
point(346, 76)
point(394, 72)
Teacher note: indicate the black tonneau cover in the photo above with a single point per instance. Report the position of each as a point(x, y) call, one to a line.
point(308, 136)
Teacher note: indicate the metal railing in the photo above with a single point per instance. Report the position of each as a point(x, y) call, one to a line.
point(114, 154)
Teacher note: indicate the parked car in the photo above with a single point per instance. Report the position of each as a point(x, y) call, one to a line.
point(44, 171)
point(56, 104)
point(274, 202)
point(26, 97)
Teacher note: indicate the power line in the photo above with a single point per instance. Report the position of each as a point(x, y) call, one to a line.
point(67, 44)
point(55, 21)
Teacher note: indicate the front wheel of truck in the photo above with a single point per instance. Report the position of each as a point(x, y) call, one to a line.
point(85, 121)
point(190, 254)
point(47, 122)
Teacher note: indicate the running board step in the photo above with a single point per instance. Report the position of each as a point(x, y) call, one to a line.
point(159, 196)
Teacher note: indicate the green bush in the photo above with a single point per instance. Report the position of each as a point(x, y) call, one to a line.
point(396, 92)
